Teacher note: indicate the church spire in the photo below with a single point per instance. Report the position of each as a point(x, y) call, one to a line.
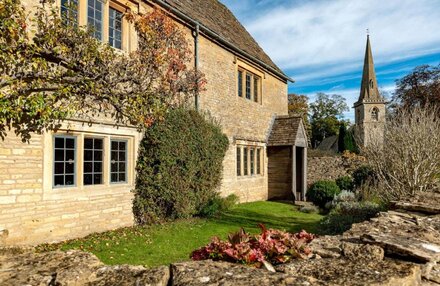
point(369, 90)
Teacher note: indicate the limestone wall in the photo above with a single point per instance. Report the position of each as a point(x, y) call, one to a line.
point(330, 168)
point(243, 121)
point(32, 211)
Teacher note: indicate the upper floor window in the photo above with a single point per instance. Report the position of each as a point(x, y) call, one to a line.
point(69, 11)
point(375, 114)
point(249, 85)
point(94, 17)
point(115, 28)
point(65, 161)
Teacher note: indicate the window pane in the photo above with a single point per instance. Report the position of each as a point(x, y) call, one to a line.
point(69, 180)
point(122, 145)
point(59, 155)
point(88, 155)
point(88, 143)
point(121, 177)
point(88, 167)
point(59, 142)
point(238, 161)
point(121, 156)
point(97, 179)
point(70, 143)
point(69, 168)
point(97, 167)
point(70, 155)
point(59, 168)
point(114, 167)
point(59, 180)
point(88, 179)
point(97, 156)
point(114, 177)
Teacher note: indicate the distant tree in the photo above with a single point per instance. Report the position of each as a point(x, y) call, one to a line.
point(298, 106)
point(52, 70)
point(341, 138)
point(325, 114)
point(419, 88)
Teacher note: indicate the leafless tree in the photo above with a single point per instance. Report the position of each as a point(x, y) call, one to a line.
point(407, 161)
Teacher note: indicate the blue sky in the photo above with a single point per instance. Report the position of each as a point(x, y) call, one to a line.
point(321, 43)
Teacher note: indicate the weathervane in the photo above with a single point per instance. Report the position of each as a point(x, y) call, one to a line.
point(368, 32)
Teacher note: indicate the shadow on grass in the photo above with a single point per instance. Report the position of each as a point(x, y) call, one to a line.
point(250, 220)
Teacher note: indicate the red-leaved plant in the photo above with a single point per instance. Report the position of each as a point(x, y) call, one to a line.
point(273, 246)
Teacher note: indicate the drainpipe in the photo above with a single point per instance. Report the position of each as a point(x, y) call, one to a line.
point(196, 61)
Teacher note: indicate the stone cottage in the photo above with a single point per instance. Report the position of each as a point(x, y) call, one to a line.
point(77, 181)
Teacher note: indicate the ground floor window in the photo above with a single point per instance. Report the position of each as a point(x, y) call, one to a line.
point(83, 160)
point(249, 160)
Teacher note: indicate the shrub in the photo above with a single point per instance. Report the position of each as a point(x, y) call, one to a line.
point(217, 205)
point(362, 175)
point(322, 192)
point(344, 214)
point(342, 197)
point(407, 159)
point(179, 167)
point(345, 183)
point(309, 209)
point(271, 246)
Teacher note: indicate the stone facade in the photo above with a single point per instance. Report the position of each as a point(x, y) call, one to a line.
point(32, 210)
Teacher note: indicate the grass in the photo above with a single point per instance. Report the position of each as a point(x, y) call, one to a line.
point(173, 242)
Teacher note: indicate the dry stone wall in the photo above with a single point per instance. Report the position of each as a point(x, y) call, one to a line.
point(331, 167)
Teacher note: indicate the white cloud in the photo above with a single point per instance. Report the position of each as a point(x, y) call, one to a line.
point(314, 35)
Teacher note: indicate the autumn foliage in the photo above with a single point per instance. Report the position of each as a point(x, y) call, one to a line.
point(52, 69)
point(271, 246)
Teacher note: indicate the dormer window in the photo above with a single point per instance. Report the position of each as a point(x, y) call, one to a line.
point(371, 83)
point(375, 114)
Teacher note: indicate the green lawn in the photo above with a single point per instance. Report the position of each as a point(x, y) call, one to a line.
point(172, 242)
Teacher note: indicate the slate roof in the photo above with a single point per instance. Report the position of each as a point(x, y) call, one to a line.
point(219, 19)
point(329, 144)
point(284, 131)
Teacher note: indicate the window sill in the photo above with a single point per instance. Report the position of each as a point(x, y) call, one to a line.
point(249, 177)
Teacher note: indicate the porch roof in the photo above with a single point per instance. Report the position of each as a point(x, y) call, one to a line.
point(284, 131)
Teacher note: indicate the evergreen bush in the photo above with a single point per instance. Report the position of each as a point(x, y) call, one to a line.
point(322, 192)
point(345, 214)
point(345, 183)
point(363, 174)
point(179, 167)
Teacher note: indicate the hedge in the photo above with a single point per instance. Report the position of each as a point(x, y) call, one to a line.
point(179, 167)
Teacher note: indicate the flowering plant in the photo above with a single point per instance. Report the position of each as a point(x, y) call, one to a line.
point(273, 246)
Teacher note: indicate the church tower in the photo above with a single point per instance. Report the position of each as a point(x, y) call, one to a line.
point(370, 107)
